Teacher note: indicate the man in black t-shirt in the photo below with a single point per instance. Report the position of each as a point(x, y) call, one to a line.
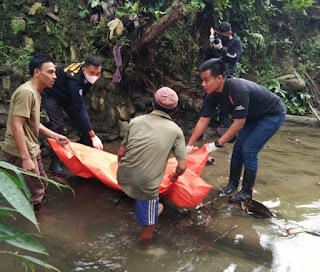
point(257, 115)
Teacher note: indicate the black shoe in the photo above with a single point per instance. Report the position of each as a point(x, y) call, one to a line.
point(234, 178)
point(228, 189)
point(239, 196)
point(210, 161)
point(56, 169)
point(37, 207)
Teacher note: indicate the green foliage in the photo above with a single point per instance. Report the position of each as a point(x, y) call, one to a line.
point(96, 3)
point(128, 10)
point(82, 12)
point(15, 192)
point(178, 49)
point(16, 26)
point(294, 103)
point(297, 4)
point(32, 26)
point(18, 57)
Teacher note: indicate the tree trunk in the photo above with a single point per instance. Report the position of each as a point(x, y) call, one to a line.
point(160, 26)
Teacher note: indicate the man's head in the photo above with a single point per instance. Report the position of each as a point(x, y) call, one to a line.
point(213, 73)
point(92, 69)
point(42, 71)
point(165, 99)
point(224, 32)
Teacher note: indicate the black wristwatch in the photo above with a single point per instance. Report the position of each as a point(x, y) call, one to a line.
point(217, 144)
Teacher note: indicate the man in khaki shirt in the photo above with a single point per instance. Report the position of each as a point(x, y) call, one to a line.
point(21, 147)
point(143, 158)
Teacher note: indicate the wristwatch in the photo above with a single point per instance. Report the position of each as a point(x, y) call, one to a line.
point(217, 144)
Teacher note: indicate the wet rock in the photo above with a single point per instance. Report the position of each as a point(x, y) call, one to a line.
point(108, 136)
point(123, 125)
point(131, 109)
point(292, 82)
point(73, 52)
point(29, 43)
point(2, 133)
point(107, 74)
point(4, 110)
point(302, 120)
point(34, 8)
point(135, 94)
point(56, 8)
point(48, 30)
point(139, 104)
point(2, 158)
point(123, 113)
point(102, 104)
point(111, 116)
point(5, 70)
point(94, 102)
point(5, 83)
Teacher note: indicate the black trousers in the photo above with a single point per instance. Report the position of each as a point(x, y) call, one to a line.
point(55, 108)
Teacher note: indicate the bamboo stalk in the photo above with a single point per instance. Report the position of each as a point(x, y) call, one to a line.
point(314, 111)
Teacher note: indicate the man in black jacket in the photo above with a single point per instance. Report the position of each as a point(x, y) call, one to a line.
point(67, 94)
point(226, 47)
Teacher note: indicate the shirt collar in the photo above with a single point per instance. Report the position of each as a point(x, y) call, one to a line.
point(225, 90)
point(161, 114)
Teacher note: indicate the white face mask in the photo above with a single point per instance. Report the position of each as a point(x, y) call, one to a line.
point(91, 79)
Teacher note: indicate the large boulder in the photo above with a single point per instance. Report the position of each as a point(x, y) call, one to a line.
point(292, 82)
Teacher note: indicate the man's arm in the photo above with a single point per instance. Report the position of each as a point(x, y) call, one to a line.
point(181, 167)
point(198, 130)
point(20, 139)
point(121, 152)
point(232, 131)
point(60, 139)
point(233, 52)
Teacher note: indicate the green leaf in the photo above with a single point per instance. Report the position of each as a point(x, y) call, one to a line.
point(4, 211)
point(23, 241)
point(16, 198)
point(39, 262)
point(6, 238)
point(19, 170)
point(12, 167)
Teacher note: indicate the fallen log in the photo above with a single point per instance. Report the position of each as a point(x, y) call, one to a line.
point(158, 28)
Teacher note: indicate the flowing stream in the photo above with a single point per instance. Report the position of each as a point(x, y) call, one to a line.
point(96, 230)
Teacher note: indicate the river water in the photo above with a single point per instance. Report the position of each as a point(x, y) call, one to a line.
point(96, 230)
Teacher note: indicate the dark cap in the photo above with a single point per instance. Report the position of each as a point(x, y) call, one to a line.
point(224, 27)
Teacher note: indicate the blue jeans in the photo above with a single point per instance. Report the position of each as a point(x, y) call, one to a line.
point(251, 139)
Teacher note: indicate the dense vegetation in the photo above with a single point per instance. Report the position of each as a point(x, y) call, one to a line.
point(278, 36)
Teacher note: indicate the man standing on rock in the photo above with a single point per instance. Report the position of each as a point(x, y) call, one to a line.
point(257, 115)
point(143, 158)
point(21, 147)
point(67, 94)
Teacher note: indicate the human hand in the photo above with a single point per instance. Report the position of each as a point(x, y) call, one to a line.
point(218, 45)
point(28, 164)
point(211, 40)
point(96, 142)
point(211, 147)
point(174, 177)
point(61, 139)
point(189, 148)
